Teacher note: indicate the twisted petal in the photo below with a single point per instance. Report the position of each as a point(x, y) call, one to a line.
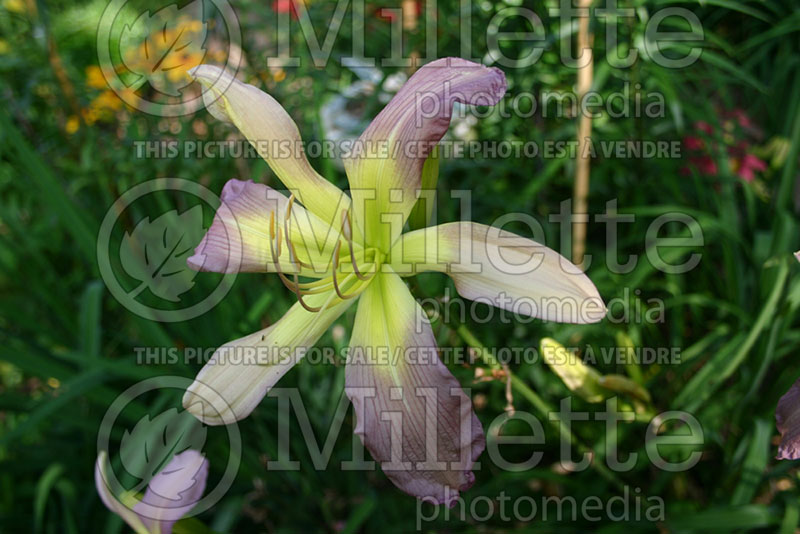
point(239, 238)
point(173, 492)
point(385, 168)
point(787, 417)
point(101, 482)
point(503, 269)
point(412, 414)
point(275, 137)
point(241, 372)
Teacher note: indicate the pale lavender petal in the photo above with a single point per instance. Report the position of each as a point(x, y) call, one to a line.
point(787, 417)
point(239, 239)
point(387, 166)
point(411, 412)
point(273, 134)
point(496, 267)
point(173, 492)
point(102, 482)
point(241, 372)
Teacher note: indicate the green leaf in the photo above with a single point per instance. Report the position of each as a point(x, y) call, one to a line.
point(43, 487)
point(50, 192)
point(724, 519)
point(755, 463)
point(722, 365)
point(89, 319)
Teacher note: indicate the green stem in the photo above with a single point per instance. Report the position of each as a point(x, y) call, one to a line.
point(784, 197)
point(544, 409)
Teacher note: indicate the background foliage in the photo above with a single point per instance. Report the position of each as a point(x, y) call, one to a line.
point(66, 345)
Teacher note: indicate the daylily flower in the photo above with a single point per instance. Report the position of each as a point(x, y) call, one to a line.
point(170, 495)
point(787, 417)
point(411, 413)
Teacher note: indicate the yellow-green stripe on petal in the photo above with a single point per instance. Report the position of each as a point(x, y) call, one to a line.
point(274, 135)
point(241, 372)
point(503, 269)
point(411, 412)
point(249, 232)
point(385, 166)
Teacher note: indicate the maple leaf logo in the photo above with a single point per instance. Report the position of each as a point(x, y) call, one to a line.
point(147, 448)
point(155, 253)
point(161, 47)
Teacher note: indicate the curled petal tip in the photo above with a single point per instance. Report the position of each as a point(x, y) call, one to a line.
point(417, 116)
point(499, 85)
point(596, 310)
point(207, 72)
point(491, 80)
point(210, 263)
point(195, 405)
point(234, 188)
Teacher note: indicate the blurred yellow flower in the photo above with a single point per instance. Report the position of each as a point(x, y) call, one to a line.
point(107, 100)
point(279, 75)
point(103, 106)
point(3, 46)
point(194, 26)
point(14, 6)
point(72, 125)
point(95, 78)
point(167, 54)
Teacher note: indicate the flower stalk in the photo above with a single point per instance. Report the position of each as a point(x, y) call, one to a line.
point(545, 410)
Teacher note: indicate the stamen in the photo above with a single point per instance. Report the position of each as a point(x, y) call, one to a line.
point(278, 239)
point(348, 234)
point(271, 227)
point(335, 268)
point(289, 205)
point(347, 229)
point(318, 286)
point(287, 220)
point(300, 298)
point(295, 287)
point(273, 237)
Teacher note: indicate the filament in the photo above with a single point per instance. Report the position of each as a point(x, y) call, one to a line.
point(302, 290)
point(348, 235)
point(336, 268)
